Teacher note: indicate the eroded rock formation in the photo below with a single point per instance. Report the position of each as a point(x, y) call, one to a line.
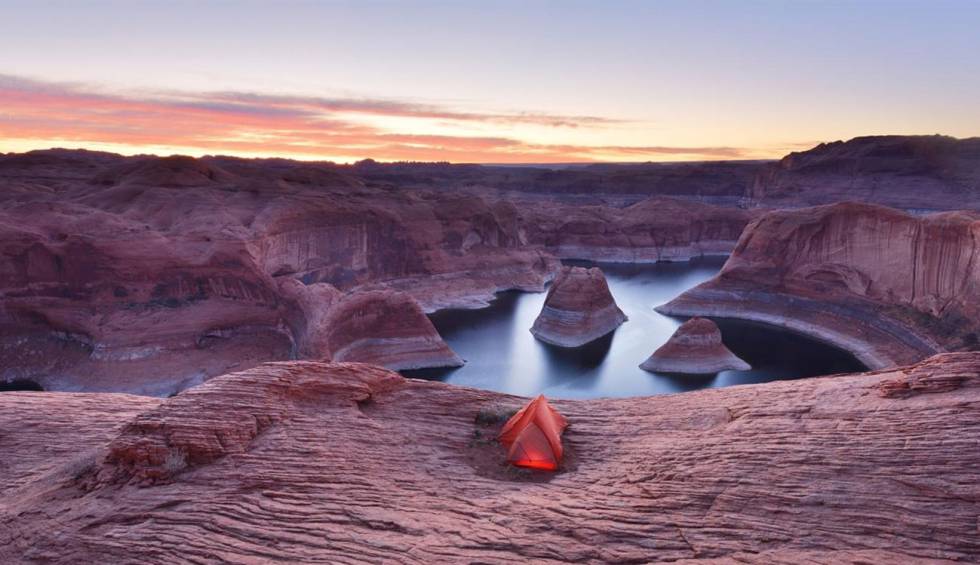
point(312, 462)
point(890, 287)
point(150, 275)
point(696, 349)
point(578, 309)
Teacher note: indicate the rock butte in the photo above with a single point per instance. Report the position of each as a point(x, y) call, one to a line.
point(386, 328)
point(578, 309)
point(695, 348)
point(312, 462)
point(890, 287)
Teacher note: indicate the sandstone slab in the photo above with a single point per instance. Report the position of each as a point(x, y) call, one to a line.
point(327, 463)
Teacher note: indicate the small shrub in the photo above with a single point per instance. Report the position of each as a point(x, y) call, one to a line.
point(176, 461)
point(494, 414)
point(81, 466)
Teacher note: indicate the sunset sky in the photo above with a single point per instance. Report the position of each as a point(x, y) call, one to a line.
point(494, 82)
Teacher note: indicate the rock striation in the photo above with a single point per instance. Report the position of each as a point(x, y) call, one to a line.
point(655, 229)
point(888, 286)
point(313, 462)
point(696, 349)
point(578, 309)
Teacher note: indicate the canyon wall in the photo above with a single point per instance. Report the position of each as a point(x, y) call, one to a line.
point(116, 272)
point(888, 286)
point(655, 229)
point(313, 462)
point(153, 274)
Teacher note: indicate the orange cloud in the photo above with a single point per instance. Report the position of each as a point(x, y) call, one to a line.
point(46, 114)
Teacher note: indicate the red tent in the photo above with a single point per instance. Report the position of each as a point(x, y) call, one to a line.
point(533, 436)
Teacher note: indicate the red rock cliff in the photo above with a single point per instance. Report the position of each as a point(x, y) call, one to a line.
point(889, 286)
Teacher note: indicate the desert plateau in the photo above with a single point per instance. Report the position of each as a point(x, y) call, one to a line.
point(431, 282)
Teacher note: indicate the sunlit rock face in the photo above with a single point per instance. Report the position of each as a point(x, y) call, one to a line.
point(910, 172)
point(578, 309)
point(695, 348)
point(394, 467)
point(888, 286)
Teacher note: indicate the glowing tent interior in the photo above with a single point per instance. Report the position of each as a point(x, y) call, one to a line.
point(533, 436)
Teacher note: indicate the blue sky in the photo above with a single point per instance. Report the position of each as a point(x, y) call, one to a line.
point(721, 79)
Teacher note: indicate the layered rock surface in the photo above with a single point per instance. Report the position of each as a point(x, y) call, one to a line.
point(578, 309)
point(320, 463)
point(890, 287)
point(655, 229)
point(695, 348)
point(150, 275)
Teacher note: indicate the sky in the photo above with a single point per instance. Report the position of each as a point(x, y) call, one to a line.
point(476, 81)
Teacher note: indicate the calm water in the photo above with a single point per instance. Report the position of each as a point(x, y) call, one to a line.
point(502, 354)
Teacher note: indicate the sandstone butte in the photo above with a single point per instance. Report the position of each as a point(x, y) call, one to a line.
point(696, 349)
point(890, 287)
point(578, 309)
point(334, 463)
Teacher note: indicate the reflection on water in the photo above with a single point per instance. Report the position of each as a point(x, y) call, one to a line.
point(502, 355)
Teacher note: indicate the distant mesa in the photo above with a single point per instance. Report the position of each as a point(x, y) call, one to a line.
point(578, 309)
point(177, 171)
point(695, 349)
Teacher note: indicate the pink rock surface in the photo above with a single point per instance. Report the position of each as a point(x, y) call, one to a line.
point(312, 462)
point(578, 309)
point(695, 348)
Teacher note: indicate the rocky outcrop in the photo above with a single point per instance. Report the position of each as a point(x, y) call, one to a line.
point(578, 309)
point(890, 287)
point(386, 328)
point(909, 172)
point(696, 349)
point(314, 462)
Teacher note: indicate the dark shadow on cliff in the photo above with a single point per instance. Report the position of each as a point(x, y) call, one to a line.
point(581, 358)
point(766, 348)
point(685, 383)
point(24, 385)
